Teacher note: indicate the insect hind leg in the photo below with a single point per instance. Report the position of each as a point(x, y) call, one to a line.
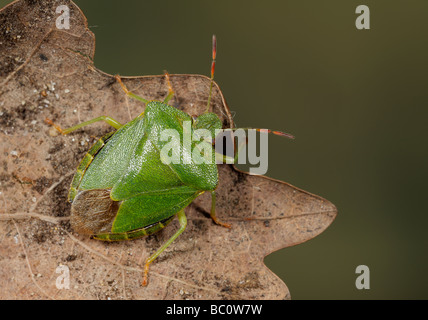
point(213, 214)
point(183, 223)
point(134, 234)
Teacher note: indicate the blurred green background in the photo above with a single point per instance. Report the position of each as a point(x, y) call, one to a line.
point(356, 100)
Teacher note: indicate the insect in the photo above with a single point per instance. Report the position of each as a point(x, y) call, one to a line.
point(123, 189)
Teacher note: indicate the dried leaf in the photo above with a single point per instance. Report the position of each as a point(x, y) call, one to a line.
point(47, 72)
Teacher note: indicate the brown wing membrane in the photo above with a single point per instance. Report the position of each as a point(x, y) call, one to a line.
point(93, 211)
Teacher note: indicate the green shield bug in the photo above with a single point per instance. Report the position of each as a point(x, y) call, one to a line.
point(126, 187)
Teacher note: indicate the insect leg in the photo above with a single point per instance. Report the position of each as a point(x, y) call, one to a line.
point(115, 124)
point(170, 91)
point(129, 93)
point(212, 213)
point(229, 160)
point(183, 223)
point(222, 158)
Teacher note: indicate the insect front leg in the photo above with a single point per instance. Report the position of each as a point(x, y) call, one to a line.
point(129, 93)
point(133, 95)
point(170, 91)
point(222, 158)
point(183, 223)
point(115, 124)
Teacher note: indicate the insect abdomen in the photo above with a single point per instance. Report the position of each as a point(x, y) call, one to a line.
point(84, 164)
point(134, 234)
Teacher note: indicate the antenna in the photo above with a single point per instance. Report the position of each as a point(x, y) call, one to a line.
point(214, 46)
point(214, 54)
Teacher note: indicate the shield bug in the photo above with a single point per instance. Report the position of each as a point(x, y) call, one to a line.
point(127, 187)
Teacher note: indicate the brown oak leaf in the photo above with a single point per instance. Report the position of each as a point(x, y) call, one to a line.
point(46, 72)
